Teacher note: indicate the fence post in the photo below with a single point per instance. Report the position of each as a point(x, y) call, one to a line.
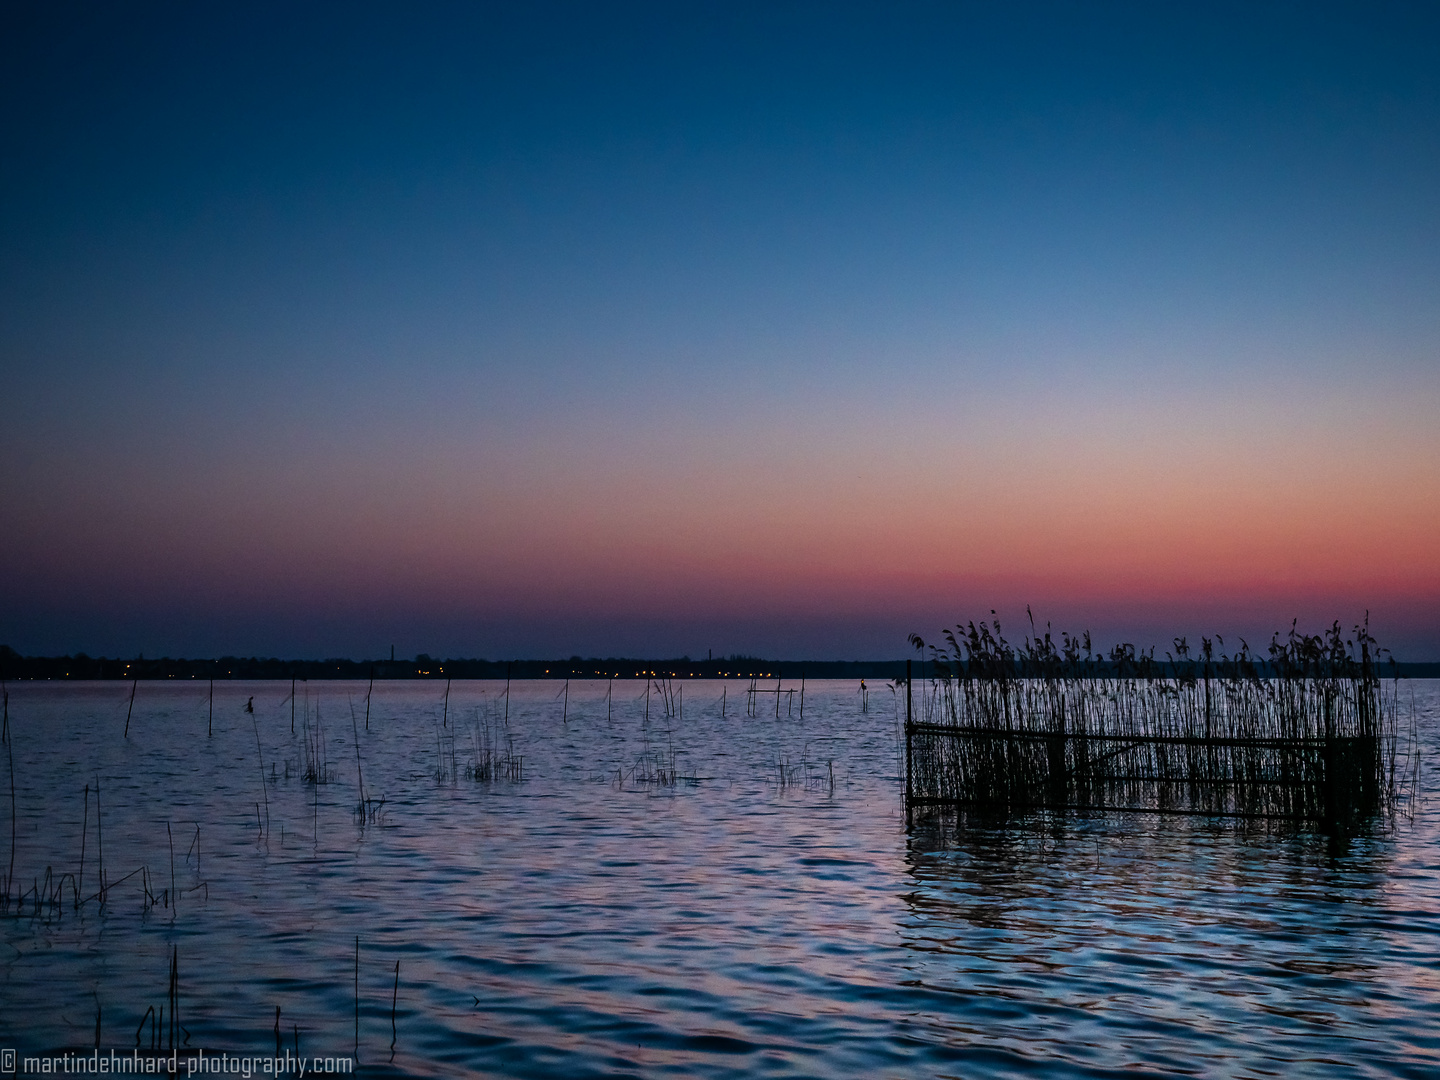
point(909, 746)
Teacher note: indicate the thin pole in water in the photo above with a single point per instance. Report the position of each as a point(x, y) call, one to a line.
point(133, 682)
point(210, 733)
point(909, 750)
point(609, 696)
point(100, 839)
point(10, 877)
point(84, 828)
point(174, 994)
point(445, 716)
point(394, 994)
point(263, 789)
point(565, 708)
point(802, 693)
point(368, 692)
point(507, 724)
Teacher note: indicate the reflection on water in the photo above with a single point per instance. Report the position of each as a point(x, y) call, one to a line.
point(1168, 945)
point(755, 907)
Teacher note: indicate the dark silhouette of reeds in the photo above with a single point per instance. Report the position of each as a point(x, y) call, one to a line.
point(489, 762)
point(366, 808)
point(804, 775)
point(1305, 733)
point(652, 769)
point(317, 761)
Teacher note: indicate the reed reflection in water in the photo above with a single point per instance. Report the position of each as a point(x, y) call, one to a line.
point(1175, 946)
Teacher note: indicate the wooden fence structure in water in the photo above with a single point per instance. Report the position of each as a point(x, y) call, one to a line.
point(1307, 734)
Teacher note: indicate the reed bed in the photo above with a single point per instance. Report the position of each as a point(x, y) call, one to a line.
point(317, 763)
point(493, 756)
point(804, 775)
point(1306, 732)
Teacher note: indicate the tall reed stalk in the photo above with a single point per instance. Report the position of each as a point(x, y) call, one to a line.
point(1307, 732)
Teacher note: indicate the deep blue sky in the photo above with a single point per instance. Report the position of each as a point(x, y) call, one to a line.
point(786, 329)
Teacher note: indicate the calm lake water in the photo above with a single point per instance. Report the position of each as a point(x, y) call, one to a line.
point(767, 915)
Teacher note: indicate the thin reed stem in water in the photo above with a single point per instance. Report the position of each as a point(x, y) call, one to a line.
point(133, 683)
point(394, 996)
point(84, 828)
point(10, 877)
point(263, 789)
point(99, 840)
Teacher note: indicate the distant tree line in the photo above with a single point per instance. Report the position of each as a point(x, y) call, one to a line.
point(81, 666)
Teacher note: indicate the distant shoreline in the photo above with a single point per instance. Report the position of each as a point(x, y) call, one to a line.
point(80, 667)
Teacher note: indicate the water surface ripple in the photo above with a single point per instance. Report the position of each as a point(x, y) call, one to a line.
point(769, 914)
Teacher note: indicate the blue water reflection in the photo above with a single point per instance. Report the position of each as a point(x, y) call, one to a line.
point(767, 913)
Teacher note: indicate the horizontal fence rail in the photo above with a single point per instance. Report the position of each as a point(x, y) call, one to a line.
point(1311, 743)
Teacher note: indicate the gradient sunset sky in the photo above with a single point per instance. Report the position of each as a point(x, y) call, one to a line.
point(531, 330)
